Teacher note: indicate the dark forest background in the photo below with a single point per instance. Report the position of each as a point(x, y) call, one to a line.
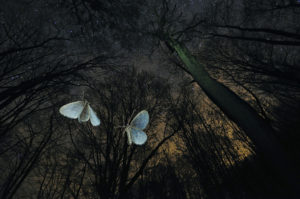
point(219, 78)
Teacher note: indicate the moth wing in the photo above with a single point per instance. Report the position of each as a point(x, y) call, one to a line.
point(141, 120)
point(93, 117)
point(72, 110)
point(129, 140)
point(85, 114)
point(138, 136)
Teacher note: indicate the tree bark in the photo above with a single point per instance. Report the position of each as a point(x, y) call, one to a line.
point(239, 111)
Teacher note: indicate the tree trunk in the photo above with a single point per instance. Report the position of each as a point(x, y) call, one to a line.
point(261, 133)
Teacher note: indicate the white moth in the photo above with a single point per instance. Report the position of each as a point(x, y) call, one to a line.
point(81, 110)
point(134, 130)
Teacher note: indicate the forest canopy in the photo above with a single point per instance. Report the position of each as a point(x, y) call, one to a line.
point(220, 80)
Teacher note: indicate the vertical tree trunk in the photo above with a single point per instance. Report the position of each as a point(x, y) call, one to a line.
point(261, 134)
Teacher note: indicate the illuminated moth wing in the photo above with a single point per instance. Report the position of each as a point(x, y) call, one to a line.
point(141, 120)
point(72, 110)
point(85, 114)
point(80, 110)
point(134, 130)
point(93, 117)
point(138, 136)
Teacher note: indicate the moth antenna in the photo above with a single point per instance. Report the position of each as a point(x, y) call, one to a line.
point(131, 117)
point(117, 127)
point(83, 95)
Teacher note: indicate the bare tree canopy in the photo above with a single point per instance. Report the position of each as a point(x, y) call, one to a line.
point(219, 81)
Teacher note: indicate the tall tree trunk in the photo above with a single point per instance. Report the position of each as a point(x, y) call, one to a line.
point(261, 133)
